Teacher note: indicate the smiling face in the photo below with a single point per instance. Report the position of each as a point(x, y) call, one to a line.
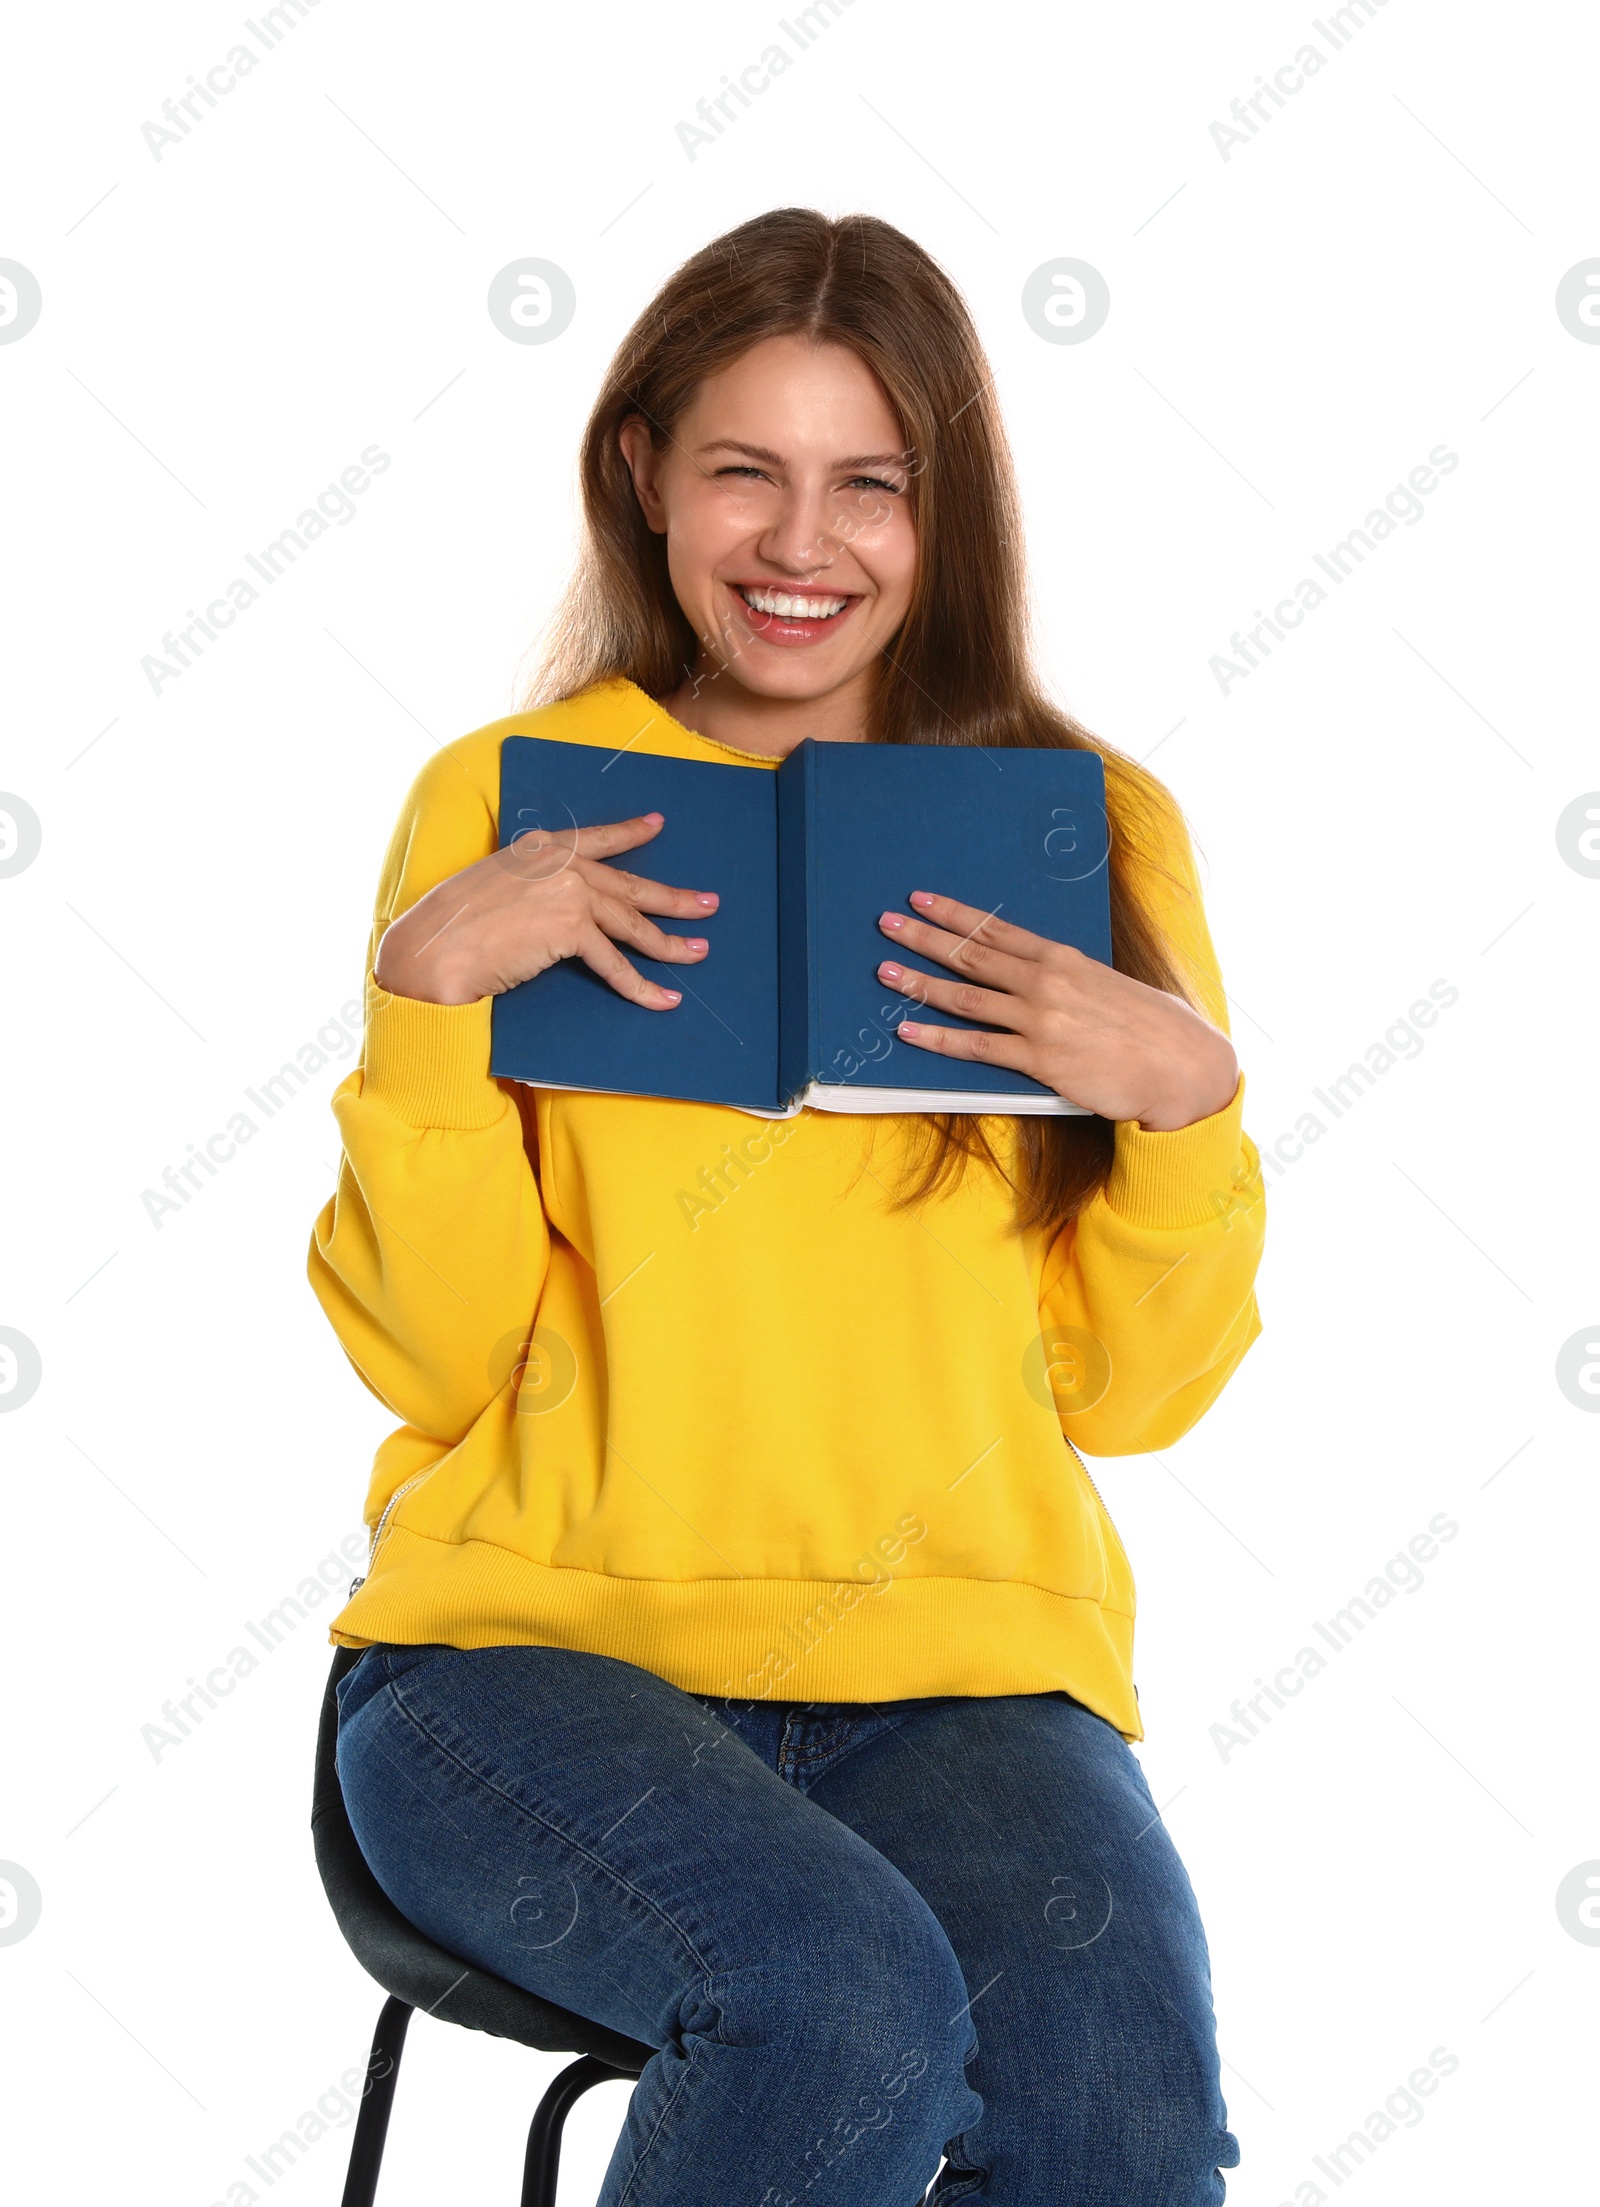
point(784, 497)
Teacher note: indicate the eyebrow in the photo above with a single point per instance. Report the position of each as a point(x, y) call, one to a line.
point(773, 459)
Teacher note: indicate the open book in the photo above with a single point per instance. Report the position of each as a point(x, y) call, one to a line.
point(786, 1008)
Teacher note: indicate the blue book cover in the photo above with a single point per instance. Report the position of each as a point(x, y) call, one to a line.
point(786, 1009)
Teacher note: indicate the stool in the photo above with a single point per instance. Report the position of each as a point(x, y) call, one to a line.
point(417, 1974)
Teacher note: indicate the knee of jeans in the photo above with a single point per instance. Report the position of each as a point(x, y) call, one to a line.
point(868, 1992)
point(1148, 2109)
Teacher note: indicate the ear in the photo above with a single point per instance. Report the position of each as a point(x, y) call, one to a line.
point(644, 465)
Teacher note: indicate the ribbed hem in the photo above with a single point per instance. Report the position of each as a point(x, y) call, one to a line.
point(1184, 1177)
point(429, 1063)
point(756, 1639)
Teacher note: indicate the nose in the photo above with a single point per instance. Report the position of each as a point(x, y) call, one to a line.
point(799, 536)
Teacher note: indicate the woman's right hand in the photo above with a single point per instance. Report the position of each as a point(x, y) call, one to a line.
point(543, 898)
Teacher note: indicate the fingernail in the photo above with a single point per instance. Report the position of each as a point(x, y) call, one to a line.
point(891, 973)
point(658, 817)
point(704, 897)
point(908, 1027)
point(695, 942)
point(922, 896)
point(673, 996)
point(891, 919)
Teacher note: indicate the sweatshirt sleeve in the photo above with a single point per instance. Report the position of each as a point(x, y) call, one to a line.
point(433, 1249)
point(1158, 1270)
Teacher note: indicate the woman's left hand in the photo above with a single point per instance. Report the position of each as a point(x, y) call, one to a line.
point(1097, 1037)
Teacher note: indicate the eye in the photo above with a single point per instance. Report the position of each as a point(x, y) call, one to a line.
point(873, 482)
point(743, 469)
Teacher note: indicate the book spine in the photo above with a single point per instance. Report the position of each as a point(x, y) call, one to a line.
point(813, 875)
point(499, 1050)
point(795, 807)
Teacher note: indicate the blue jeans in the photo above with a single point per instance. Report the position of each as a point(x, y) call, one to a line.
point(857, 1936)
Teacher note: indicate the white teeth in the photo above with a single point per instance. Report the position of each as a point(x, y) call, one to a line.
point(788, 607)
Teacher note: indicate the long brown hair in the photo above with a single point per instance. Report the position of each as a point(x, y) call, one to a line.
point(959, 670)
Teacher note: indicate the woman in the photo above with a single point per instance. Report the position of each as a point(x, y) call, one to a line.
point(748, 1656)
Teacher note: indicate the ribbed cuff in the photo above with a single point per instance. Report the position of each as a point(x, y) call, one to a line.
point(429, 1063)
point(1183, 1177)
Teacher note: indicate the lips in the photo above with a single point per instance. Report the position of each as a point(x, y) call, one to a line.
point(787, 616)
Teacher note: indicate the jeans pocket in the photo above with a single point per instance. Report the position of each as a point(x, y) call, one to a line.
point(376, 1667)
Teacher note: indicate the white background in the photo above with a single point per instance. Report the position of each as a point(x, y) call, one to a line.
point(1292, 330)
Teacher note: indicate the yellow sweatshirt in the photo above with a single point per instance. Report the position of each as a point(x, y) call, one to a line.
point(770, 1438)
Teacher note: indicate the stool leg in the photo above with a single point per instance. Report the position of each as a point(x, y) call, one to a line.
point(542, 2165)
point(372, 2124)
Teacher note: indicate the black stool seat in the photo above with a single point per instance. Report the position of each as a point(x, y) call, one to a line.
point(418, 1974)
